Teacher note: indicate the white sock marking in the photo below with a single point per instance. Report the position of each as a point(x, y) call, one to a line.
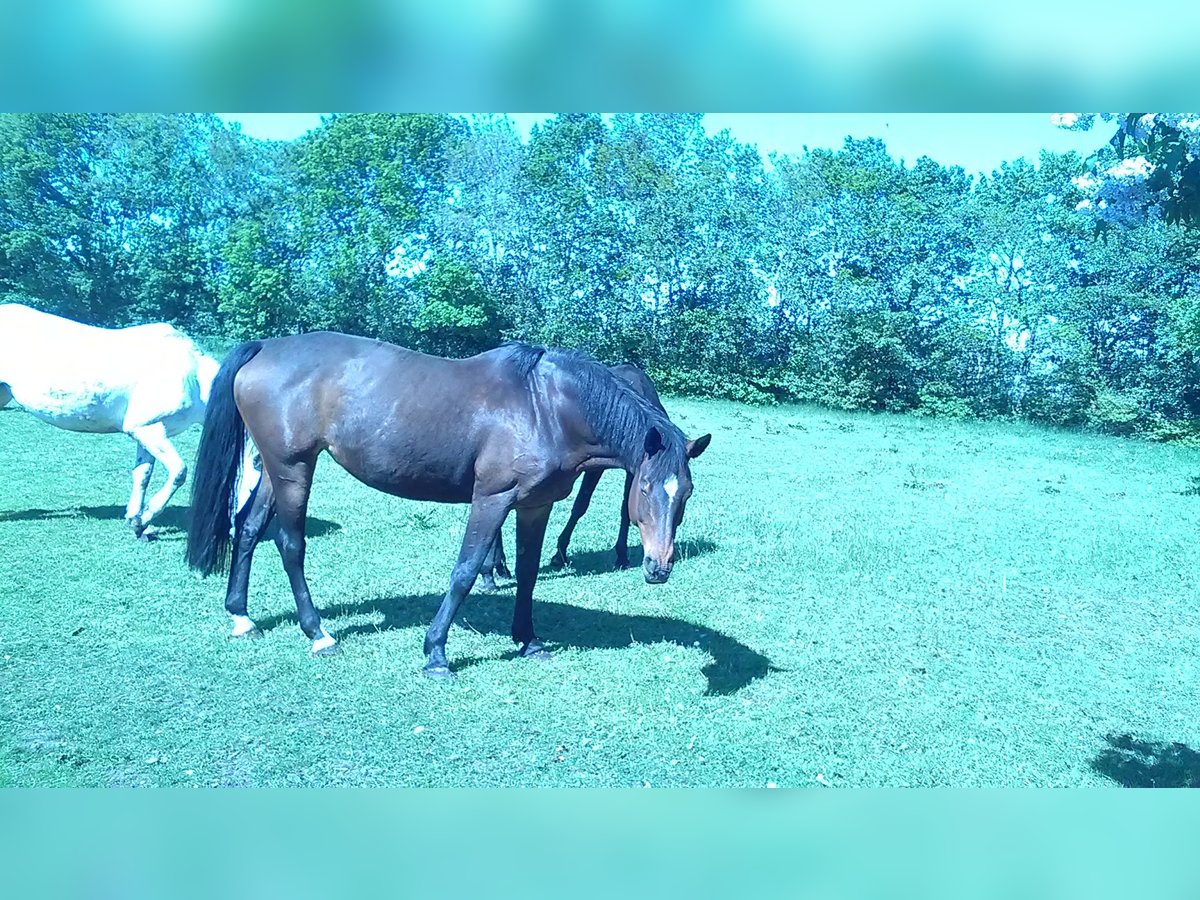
point(325, 640)
point(242, 625)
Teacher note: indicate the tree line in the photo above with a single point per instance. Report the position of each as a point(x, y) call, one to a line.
point(840, 277)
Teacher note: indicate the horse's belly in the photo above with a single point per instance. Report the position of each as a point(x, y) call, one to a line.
point(552, 488)
point(183, 418)
point(425, 489)
point(386, 472)
point(89, 412)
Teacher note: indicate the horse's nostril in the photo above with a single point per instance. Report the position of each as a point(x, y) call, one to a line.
point(655, 572)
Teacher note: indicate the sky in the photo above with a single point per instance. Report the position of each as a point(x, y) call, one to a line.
point(978, 142)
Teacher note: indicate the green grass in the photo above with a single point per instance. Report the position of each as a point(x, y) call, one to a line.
point(864, 600)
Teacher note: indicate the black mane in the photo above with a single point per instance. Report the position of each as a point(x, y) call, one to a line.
point(616, 412)
point(523, 356)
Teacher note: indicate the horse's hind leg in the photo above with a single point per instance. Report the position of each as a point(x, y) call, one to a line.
point(494, 563)
point(154, 439)
point(531, 533)
point(143, 468)
point(501, 562)
point(582, 501)
point(487, 515)
point(250, 523)
point(292, 486)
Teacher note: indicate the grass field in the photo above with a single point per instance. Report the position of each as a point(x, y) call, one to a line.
point(863, 600)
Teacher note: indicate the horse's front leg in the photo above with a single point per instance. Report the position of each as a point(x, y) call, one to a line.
point(143, 468)
point(487, 515)
point(154, 439)
point(531, 532)
point(622, 548)
point(580, 506)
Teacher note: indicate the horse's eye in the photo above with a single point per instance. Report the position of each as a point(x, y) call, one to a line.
point(645, 488)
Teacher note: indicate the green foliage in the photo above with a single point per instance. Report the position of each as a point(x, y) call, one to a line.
point(255, 292)
point(937, 398)
point(840, 277)
point(458, 316)
point(1114, 412)
point(700, 383)
point(1174, 431)
point(1175, 178)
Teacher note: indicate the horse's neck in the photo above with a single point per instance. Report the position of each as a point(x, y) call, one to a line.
point(590, 444)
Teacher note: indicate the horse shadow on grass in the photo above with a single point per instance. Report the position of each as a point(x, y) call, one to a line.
point(1131, 762)
point(171, 523)
point(596, 562)
point(733, 666)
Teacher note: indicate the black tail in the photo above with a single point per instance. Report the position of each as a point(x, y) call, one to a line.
point(216, 469)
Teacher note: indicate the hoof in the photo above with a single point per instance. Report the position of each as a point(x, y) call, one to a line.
point(488, 583)
point(439, 671)
point(558, 561)
point(147, 534)
point(502, 570)
point(325, 645)
point(621, 564)
point(243, 626)
point(535, 649)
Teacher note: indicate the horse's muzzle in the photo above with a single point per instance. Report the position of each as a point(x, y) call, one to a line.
point(655, 572)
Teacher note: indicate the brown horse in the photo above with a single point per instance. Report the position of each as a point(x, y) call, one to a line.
point(496, 563)
point(508, 429)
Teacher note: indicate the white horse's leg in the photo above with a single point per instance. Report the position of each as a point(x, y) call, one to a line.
point(248, 478)
point(143, 468)
point(154, 439)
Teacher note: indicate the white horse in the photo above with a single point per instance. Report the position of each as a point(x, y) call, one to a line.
point(149, 382)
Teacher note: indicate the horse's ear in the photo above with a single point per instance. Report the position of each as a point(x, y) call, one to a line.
point(654, 441)
point(698, 446)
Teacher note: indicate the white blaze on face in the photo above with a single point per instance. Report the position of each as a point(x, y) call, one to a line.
point(671, 486)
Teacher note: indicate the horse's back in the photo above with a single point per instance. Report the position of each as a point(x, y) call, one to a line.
point(399, 420)
point(342, 376)
point(637, 378)
point(152, 331)
point(85, 378)
point(361, 365)
point(18, 321)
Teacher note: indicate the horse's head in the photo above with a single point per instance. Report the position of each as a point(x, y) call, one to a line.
point(660, 491)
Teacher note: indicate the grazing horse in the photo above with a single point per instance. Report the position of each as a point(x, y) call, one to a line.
point(496, 564)
point(511, 428)
point(149, 382)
